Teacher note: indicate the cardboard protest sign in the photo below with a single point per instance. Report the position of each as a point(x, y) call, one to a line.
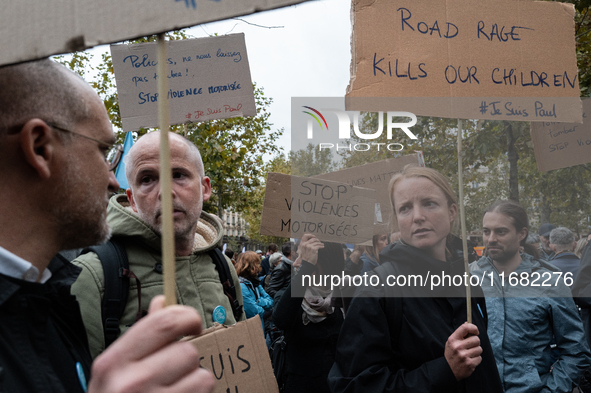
point(34, 29)
point(329, 210)
point(208, 78)
point(237, 357)
point(560, 145)
point(376, 175)
point(499, 59)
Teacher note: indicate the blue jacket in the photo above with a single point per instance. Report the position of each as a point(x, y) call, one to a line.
point(255, 300)
point(522, 322)
point(369, 263)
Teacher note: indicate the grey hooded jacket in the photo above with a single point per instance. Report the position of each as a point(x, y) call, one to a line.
point(523, 317)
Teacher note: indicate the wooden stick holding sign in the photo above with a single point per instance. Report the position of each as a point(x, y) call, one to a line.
point(168, 261)
point(463, 220)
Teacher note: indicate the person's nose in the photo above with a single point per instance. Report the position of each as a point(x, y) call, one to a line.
point(172, 191)
point(113, 183)
point(418, 214)
point(491, 238)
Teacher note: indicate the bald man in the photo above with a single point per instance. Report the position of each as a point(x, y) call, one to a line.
point(135, 219)
point(54, 138)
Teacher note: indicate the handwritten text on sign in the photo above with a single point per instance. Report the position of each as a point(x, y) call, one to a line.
point(375, 175)
point(236, 358)
point(329, 210)
point(208, 78)
point(560, 145)
point(466, 48)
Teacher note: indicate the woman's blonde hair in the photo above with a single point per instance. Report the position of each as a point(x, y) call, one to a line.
point(413, 171)
point(248, 264)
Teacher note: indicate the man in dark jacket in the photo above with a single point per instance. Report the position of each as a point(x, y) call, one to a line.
point(281, 275)
point(266, 267)
point(55, 135)
point(562, 243)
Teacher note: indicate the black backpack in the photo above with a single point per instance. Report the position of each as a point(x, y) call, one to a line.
point(113, 257)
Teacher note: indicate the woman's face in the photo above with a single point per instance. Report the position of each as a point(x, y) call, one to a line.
point(382, 242)
point(423, 215)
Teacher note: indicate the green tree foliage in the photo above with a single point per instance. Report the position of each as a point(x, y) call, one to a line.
point(561, 196)
point(311, 161)
point(279, 164)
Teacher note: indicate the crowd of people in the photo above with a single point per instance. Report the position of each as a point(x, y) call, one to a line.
point(97, 323)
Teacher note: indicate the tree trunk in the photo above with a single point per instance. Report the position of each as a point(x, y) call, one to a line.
point(220, 207)
point(545, 210)
point(513, 157)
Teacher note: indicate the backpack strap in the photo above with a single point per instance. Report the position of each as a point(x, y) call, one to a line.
point(113, 257)
point(226, 279)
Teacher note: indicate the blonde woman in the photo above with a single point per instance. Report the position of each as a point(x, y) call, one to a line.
point(406, 337)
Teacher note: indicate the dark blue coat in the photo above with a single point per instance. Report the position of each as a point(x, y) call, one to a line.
point(42, 338)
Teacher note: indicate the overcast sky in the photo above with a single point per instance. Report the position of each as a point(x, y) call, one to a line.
point(309, 56)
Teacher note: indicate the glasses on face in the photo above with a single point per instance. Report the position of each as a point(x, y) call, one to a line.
point(113, 152)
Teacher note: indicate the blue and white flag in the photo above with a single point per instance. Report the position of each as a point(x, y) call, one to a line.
point(120, 171)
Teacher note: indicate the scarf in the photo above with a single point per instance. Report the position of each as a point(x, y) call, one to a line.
point(316, 305)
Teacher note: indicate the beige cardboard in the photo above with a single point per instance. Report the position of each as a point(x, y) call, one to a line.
point(463, 53)
point(237, 357)
point(34, 29)
point(208, 78)
point(331, 211)
point(560, 145)
point(376, 176)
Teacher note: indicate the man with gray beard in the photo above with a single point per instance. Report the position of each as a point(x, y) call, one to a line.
point(135, 219)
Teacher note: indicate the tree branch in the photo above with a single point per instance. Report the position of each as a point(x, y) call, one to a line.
point(254, 24)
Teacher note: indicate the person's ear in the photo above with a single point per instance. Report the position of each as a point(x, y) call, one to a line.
point(206, 188)
point(522, 234)
point(453, 212)
point(37, 141)
point(129, 193)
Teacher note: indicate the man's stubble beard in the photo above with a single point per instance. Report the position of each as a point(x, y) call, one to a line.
point(81, 216)
point(184, 233)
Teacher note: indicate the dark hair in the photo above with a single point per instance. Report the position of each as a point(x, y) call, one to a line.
point(229, 253)
point(272, 248)
point(519, 219)
point(286, 248)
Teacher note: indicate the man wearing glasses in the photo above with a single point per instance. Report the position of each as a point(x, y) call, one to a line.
point(55, 136)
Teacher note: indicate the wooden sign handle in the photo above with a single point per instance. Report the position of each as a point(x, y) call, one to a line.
point(168, 259)
point(463, 220)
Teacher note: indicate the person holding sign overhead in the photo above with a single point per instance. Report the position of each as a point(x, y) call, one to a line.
point(309, 318)
point(54, 138)
point(402, 336)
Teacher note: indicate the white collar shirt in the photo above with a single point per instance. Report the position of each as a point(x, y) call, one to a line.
point(14, 266)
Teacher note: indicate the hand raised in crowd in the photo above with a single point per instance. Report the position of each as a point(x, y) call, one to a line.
point(463, 350)
point(309, 247)
point(149, 357)
point(356, 254)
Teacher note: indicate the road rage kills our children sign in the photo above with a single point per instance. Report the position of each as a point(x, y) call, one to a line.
point(494, 59)
point(329, 210)
point(208, 78)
